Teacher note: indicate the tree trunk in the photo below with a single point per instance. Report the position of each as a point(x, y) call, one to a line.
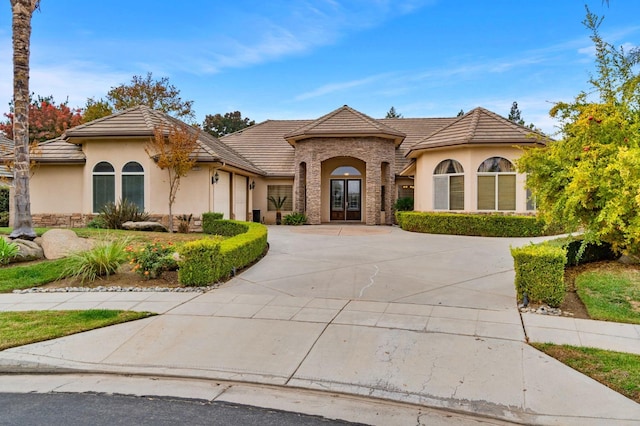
point(22, 223)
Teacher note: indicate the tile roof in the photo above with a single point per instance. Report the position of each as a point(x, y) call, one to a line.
point(478, 126)
point(265, 146)
point(342, 122)
point(58, 151)
point(140, 121)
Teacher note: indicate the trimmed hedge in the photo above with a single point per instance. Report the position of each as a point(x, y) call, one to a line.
point(482, 225)
point(226, 228)
point(208, 218)
point(540, 273)
point(204, 262)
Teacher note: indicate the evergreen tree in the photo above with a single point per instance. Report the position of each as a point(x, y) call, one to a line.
point(514, 114)
point(393, 114)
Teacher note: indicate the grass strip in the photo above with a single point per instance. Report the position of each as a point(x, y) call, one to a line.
point(616, 370)
point(23, 328)
point(33, 275)
point(611, 296)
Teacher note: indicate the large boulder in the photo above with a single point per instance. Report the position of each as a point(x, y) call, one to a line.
point(58, 243)
point(145, 226)
point(27, 250)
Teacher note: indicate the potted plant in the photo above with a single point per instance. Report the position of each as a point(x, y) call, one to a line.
point(278, 203)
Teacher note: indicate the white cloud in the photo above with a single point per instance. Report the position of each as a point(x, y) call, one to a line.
point(340, 87)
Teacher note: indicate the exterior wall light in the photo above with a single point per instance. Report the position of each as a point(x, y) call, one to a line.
point(252, 185)
point(215, 178)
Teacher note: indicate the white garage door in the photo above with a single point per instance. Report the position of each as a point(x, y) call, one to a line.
point(221, 195)
point(240, 198)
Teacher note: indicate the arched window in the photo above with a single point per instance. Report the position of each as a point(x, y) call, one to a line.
point(496, 184)
point(346, 171)
point(133, 184)
point(448, 186)
point(104, 185)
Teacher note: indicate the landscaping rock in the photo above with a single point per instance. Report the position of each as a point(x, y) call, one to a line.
point(28, 250)
point(145, 226)
point(58, 243)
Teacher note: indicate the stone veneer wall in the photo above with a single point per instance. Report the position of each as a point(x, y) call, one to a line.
point(79, 220)
point(372, 150)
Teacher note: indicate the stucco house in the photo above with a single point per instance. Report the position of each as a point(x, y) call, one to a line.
point(343, 166)
point(6, 148)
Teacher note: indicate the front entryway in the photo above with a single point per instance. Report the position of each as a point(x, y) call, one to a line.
point(346, 199)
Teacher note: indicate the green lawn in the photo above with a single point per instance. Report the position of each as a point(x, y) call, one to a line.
point(16, 277)
point(22, 328)
point(616, 370)
point(611, 293)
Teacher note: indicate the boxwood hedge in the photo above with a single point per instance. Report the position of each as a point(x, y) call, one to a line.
point(204, 262)
point(483, 225)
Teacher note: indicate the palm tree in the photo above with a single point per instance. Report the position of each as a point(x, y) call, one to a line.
point(22, 11)
point(278, 203)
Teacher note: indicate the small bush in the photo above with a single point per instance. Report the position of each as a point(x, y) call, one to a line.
point(7, 251)
point(591, 252)
point(97, 223)
point(103, 260)
point(4, 199)
point(153, 259)
point(113, 215)
point(184, 223)
point(403, 204)
point(4, 219)
point(483, 225)
point(540, 273)
point(295, 219)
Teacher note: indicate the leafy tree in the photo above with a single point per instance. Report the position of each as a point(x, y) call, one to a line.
point(172, 148)
point(220, 125)
point(590, 179)
point(515, 115)
point(22, 10)
point(96, 109)
point(46, 119)
point(393, 114)
point(460, 113)
point(156, 94)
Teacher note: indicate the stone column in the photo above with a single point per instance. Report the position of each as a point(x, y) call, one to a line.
point(373, 192)
point(391, 196)
point(314, 200)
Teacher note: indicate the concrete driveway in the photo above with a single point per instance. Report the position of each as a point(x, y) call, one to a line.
point(370, 311)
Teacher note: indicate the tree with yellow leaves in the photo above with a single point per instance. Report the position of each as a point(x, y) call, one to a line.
point(173, 149)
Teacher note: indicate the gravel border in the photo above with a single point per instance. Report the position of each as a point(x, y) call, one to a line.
point(116, 289)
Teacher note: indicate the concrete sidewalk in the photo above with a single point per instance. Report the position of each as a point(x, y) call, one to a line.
point(422, 319)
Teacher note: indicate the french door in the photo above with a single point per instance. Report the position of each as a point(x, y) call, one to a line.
point(346, 199)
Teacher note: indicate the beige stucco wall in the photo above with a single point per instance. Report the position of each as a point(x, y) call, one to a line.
point(57, 189)
point(470, 158)
point(68, 189)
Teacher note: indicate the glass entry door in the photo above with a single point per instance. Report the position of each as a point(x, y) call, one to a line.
point(346, 199)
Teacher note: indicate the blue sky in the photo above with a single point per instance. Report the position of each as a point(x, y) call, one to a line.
point(290, 59)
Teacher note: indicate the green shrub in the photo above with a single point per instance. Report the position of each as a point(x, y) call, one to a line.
point(209, 216)
point(204, 262)
point(4, 219)
point(102, 260)
point(113, 215)
point(591, 252)
point(403, 204)
point(4, 199)
point(199, 262)
point(97, 223)
point(153, 259)
point(540, 273)
point(295, 219)
point(484, 225)
point(224, 227)
point(8, 250)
